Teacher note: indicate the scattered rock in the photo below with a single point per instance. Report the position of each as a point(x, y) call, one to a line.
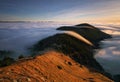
point(43, 78)
point(59, 67)
point(28, 79)
point(69, 63)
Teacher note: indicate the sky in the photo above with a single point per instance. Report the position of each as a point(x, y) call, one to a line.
point(60, 10)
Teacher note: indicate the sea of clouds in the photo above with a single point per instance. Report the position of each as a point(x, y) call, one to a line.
point(18, 37)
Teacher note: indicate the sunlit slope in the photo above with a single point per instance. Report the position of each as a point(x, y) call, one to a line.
point(50, 67)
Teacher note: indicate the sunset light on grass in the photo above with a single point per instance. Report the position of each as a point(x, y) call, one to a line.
point(59, 40)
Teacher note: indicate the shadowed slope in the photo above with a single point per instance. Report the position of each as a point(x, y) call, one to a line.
point(88, 31)
point(86, 25)
point(50, 67)
point(73, 47)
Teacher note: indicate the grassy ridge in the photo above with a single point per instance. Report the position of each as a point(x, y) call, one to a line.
point(76, 49)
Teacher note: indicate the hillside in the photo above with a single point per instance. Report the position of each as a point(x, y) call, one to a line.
point(49, 67)
point(88, 31)
point(77, 49)
point(63, 57)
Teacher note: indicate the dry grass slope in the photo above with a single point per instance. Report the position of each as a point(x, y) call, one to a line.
point(50, 67)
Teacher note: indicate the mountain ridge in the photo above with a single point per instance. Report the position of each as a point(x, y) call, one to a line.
point(49, 67)
point(66, 46)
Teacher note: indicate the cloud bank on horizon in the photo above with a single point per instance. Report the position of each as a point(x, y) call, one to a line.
point(61, 10)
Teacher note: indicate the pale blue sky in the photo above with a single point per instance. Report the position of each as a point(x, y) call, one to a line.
point(60, 10)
